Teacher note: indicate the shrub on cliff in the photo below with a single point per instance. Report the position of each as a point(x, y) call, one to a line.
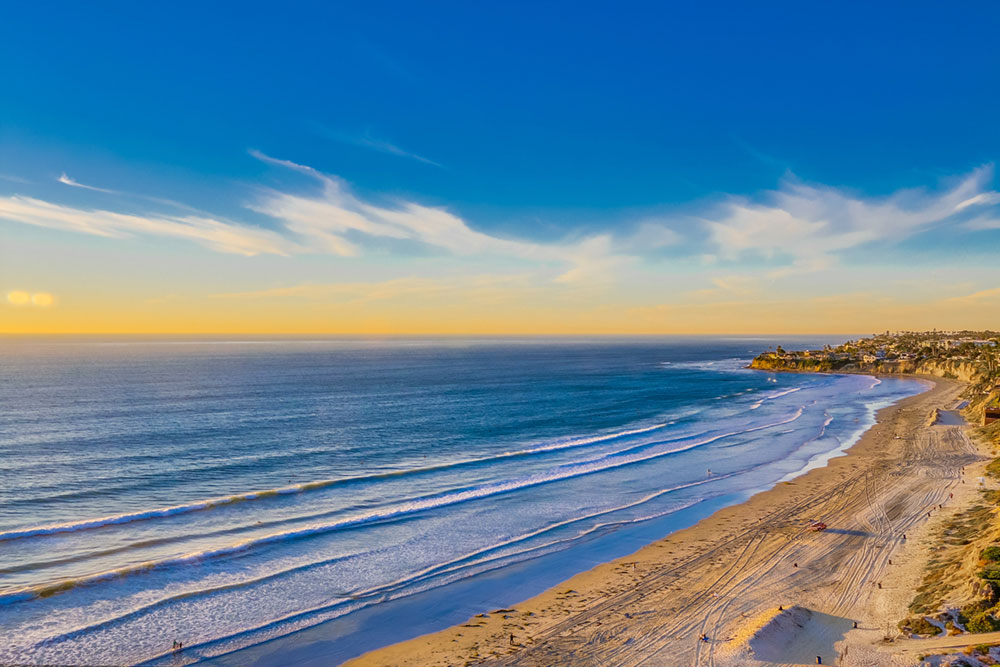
point(991, 553)
point(983, 622)
point(919, 625)
point(971, 609)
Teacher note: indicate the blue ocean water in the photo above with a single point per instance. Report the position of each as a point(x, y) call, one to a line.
point(226, 493)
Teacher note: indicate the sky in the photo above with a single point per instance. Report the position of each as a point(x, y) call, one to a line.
point(498, 168)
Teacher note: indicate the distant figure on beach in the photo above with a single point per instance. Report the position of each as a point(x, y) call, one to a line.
point(178, 645)
point(512, 639)
point(708, 473)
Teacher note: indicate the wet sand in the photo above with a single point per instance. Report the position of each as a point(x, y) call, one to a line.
point(720, 576)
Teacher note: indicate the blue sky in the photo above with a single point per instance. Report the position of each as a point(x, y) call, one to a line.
point(538, 123)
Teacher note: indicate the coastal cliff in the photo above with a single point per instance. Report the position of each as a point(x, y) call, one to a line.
point(958, 370)
point(971, 357)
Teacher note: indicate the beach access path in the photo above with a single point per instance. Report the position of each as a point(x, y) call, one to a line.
point(915, 647)
point(716, 578)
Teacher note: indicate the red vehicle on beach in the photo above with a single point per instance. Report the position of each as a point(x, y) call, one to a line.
point(817, 526)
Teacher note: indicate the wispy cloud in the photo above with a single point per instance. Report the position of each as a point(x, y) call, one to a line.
point(66, 180)
point(338, 222)
point(732, 287)
point(219, 235)
point(796, 228)
point(982, 199)
point(982, 223)
point(481, 288)
point(346, 291)
point(977, 297)
point(807, 226)
point(392, 149)
point(368, 140)
point(72, 182)
point(760, 155)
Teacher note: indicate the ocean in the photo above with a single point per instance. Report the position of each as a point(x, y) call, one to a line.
point(231, 493)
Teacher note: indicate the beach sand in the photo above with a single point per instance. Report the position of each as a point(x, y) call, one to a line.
point(726, 577)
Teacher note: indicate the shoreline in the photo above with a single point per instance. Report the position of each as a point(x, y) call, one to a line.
point(608, 610)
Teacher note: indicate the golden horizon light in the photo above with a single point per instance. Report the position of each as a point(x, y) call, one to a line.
point(18, 298)
point(23, 298)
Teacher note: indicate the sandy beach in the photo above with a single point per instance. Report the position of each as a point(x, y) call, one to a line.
point(710, 594)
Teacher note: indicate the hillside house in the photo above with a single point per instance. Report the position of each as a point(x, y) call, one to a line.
point(991, 414)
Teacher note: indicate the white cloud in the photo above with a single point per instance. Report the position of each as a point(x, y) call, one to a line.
point(807, 226)
point(798, 228)
point(66, 180)
point(982, 199)
point(214, 234)
point(337, 221)
point(72, 182)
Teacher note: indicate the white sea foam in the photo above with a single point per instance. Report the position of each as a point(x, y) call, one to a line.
point(143, 515)
point(599, 464)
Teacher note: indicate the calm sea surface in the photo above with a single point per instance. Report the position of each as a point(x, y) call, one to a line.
point(230, 493)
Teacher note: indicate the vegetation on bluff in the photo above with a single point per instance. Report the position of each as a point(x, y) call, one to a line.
point(977, 351)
